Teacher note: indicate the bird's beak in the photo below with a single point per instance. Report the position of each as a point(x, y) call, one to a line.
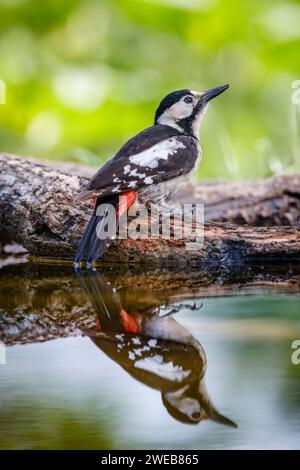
point(210, 94)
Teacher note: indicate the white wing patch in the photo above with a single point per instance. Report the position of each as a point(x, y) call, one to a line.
point(127, 169)
point(148, 180)
point(137, 175)
point(156, 365)
point(162, 151)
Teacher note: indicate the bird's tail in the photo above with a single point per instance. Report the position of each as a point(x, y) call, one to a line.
point(111, 316)
point(91, 243)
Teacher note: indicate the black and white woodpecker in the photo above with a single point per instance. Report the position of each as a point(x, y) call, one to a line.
point(151, 166)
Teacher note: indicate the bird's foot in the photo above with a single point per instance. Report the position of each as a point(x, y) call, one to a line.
point(179, 307)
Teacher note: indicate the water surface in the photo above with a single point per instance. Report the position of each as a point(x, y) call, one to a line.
point(161, 360)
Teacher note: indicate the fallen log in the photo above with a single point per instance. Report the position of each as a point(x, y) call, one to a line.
point(39, 211)
point(261, 202)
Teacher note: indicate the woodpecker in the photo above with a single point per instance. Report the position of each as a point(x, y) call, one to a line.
point(151, 166)
point(155, 349)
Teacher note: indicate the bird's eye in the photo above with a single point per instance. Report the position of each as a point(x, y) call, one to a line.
point(188, 99)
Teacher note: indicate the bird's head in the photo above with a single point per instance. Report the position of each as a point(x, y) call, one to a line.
point(183, 109)
point(191, 404)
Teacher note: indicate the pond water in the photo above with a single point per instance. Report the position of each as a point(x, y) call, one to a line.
point(137, 360)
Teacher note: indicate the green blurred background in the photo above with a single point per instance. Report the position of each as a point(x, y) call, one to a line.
point(83, 76)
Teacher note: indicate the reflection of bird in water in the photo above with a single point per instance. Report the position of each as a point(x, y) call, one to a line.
point(154, 349)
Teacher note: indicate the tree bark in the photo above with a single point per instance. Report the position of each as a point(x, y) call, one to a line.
point(39, 211)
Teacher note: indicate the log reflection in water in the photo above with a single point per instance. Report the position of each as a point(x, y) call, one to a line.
point(39, 302)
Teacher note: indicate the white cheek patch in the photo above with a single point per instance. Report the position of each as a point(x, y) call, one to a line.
point(178, 111)
point(181, 110)
point(186, 405)
point(162, 151)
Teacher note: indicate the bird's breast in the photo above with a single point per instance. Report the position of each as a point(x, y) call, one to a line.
point(164, 190)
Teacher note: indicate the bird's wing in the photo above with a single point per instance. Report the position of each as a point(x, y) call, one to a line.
point(155, 155)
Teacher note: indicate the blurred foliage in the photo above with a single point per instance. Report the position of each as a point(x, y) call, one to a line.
point(82, 77)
